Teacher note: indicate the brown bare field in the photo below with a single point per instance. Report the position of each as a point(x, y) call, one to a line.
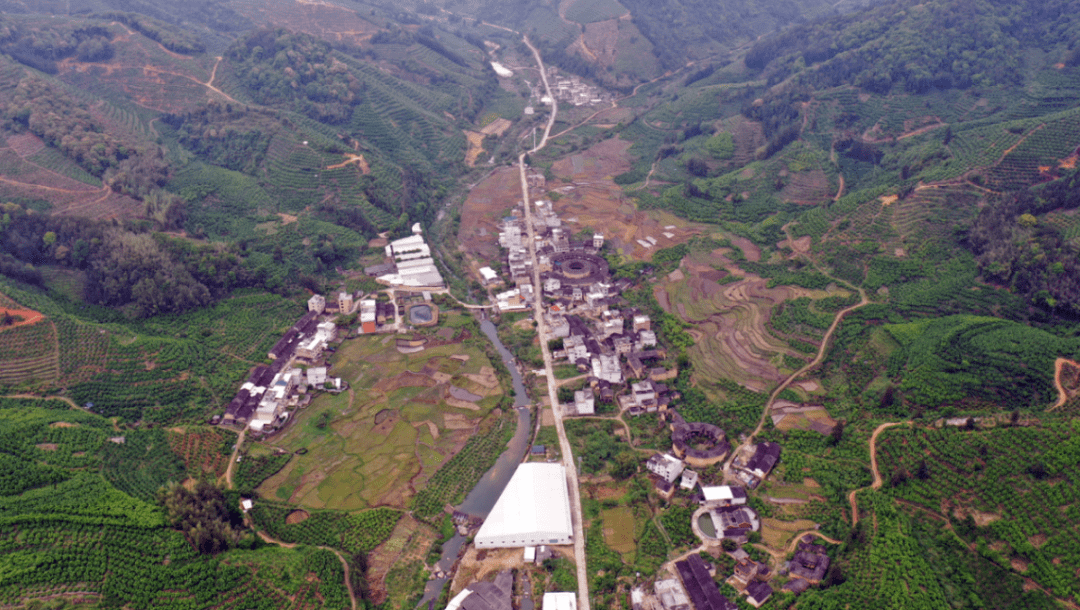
point(596, 202)
point(476, 564)
point(588, 199)
point(327, 21)
point(749, 250)
point(497, 127)
point(297, 516)
point(807, 188)
point(601, 38)
point(476, 140)
point(484, 207)
point(26, 317)
point(810, 418)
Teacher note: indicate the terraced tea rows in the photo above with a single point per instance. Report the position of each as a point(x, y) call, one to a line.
point(28, 353)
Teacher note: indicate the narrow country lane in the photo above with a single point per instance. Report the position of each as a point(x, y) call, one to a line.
point(873, 468)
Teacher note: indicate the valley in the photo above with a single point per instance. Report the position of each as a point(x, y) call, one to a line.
point(789, 295)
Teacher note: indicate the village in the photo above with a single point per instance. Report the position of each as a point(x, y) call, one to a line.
point(627, 372)
point(300, 360)
point(615, 347)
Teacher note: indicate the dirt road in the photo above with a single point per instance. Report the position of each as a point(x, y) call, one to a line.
point(33, 397)
point(1063, 394)
point(232, 458)
point(873, 468)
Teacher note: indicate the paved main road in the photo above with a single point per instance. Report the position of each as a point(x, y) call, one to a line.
point(549, 370)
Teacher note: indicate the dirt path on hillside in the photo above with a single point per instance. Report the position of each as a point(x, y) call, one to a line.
point(232, 458)
point(1063, 394)
point(344, 564)
point(34, 397)
point(873, 468)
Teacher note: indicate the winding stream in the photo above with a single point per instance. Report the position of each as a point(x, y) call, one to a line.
point(482, 498)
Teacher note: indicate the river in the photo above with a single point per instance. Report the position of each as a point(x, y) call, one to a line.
point(482, 498)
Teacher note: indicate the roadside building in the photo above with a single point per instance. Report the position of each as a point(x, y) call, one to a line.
point(671, 594)
point(723, 495)
point(559, 601)
point(534, 509)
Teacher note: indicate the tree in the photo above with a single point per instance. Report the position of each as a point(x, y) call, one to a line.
point(626, 465)
point(837, 433)
point(202, 514)
point(923, 473)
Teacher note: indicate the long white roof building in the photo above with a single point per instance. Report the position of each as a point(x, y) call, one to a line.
point(534, 509)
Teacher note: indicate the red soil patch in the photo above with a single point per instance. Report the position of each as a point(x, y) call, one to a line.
point(749, 250)
point(47, 446)
point(24, 317)
point(485, 206)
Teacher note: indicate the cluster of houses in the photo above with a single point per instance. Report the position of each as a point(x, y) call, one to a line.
point(725, 508)
point(612, 345)
point(571, 89)
point(409, 264)
point(297, 365)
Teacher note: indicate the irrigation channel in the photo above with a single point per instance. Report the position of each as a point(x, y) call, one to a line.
point(482, 498)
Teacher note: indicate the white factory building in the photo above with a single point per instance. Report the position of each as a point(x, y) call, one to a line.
point(414, 265)
point(534, 509)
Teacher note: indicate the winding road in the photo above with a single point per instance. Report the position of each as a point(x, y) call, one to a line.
point(873, 468)
point(267, 538)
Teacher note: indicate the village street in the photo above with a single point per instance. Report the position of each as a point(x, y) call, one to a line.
point(549, 370)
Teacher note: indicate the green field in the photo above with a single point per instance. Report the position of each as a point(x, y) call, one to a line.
point(374, 445)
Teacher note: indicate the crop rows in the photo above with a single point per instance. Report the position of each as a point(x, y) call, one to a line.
point(83, 349)
point(350, 532)
point(583, 11)
point(931, 212)
point(458, 475)
point(28, 353)
point(255, 469)
point(204, 451)
point(142, 465)
point(1042, 148)
point(55, 161)
point(1026, 476)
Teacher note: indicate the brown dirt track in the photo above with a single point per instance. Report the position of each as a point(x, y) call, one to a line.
point(1066, 380)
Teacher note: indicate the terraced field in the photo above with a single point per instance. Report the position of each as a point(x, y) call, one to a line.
point(730, 325)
